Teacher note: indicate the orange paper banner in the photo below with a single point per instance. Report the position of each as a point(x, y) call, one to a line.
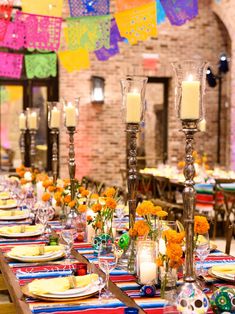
point(139, 23)
point(74, 60)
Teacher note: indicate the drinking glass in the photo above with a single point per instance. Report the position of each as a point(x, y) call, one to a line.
point(202, 250)
point(68, 236)
point(107, 258)
point(100, 282)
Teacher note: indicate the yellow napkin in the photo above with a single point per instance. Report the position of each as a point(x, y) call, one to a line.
point(24, 250)
point(7, 202)
point(4, 195)
point(11, 213)
point(20, 229)
point(228, 269)
point(61, 284)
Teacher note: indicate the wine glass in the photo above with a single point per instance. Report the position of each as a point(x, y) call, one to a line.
point(107, 258)
point(68, 235)
point(42, 217)
point(99, 283)
point(202, 250)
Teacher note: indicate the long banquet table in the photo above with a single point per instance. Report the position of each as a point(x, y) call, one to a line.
point(123, 285)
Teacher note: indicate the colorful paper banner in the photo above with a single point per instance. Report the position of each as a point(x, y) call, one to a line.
point(5, 15)
point(14, 37)
point(161, 15)
point(41, 65)
point(43, 7)
point(179, 11)
point(41, 32)
point(104, 54)
point(75, 60)
point(122, 5)
point(90, 33)
point(88, 8)
point(139, 23)
point(10, 64)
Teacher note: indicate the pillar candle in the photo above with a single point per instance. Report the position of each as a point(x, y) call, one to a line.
point(32, 120)
point(39, 190)
point(70, 115)
point(22, 121)
point(190, 104)
point(133, 107)
point(148, 272)
point(90, 233)
point(202, 125)
point(55, 118)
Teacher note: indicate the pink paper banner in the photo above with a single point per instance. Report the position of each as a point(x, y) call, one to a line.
point(14, 37)
point(10, 64)
point(41, 32)
point(5, 15)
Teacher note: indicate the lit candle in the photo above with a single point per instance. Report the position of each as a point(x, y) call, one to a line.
point(39, 190)
point(202, 125)
point(32, 120)
point(133, 107)
point(22, 121)
point(190, 100)
point(55, 118)
point(70, 115)
point(90, 233)
point(148, 272)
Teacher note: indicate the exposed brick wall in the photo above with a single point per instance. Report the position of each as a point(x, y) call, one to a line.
point(100, 141)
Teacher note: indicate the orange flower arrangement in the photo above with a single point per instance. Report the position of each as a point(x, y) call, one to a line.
point(94, 196)
point(110, 192)
point(173, 236)
point(85, 192)
point(111, 203)
point(140, 229)
point(47, 183)
point(46, 197)
point(82, 208)
point(67, 198)
point(96, 207)
point(201, 225)
point(162, 214)
point(51, 188)
point(72, 204)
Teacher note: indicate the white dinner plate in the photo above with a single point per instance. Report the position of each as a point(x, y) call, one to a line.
point(72, 291)
point(39, 258)
point(15, 217)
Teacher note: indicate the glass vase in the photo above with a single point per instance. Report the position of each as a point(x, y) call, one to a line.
point(146, 262)
point(81, 226)
point(131, 257)
point(168, 278)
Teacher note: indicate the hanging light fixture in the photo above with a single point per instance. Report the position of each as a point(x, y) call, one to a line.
point(97, 89)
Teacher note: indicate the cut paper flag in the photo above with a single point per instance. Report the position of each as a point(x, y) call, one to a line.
point(122, 5)
point(14, 37)
point(150, 61)
point(139, 23)
point(43, 7)
point(88, 7)
point(5, 15)
point(161, 15)
point(104, 54)
point(41, 32)
point(41, 65)
point(90, 33)
point(179, 11)
point(11, 64)
point(74, 60)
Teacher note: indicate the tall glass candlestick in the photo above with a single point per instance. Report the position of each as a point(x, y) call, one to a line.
point(189, 103)
point(23, 128)
point(32, 124)
point(54, 120)
point(133, 94)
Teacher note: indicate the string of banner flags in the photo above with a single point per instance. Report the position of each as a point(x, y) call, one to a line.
point(90, 28)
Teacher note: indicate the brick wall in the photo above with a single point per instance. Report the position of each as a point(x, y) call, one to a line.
point(100, 140)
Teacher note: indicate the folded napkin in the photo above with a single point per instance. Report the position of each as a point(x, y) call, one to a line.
point(7, 202)
point(61, 284)
point(20, 229)
point(11, 213)
point(225, 271)
point(38, 250)
point(4, 195)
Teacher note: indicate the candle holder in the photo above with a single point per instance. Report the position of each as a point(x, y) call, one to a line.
point(54, 120)
point(133, 107)
point(32, 124)
point(190, 90)
point(23, 128)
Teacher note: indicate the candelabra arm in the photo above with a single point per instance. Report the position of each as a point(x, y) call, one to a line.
point(54, 133)
point(132, 179)
point(32, 147)
point(72, 163)
point(22, 146)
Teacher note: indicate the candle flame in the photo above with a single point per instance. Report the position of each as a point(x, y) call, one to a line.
point(190, 78)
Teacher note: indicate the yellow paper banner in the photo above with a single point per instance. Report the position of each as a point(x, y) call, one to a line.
point(139, 23)
point(43, 7)
point(74, 60)
point(122, 5)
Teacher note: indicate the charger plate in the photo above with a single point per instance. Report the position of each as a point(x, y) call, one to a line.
point(52, 298)
point(210, 272)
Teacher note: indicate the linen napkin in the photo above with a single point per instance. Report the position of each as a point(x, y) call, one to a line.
point(4, 213)
point(20, 229)
point(225, 271)
point(4, 195)
point(38, 250)
point(7, 202)
point(61, 284)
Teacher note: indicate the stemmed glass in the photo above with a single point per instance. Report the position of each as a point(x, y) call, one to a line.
point(42, 217)
point(202, 250)
point(68, 236)
point(107, 257)
point(100, 282)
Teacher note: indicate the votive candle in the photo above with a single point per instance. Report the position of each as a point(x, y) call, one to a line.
point(32, 120)
point(133, 107)
point(55, 118)
point(190, 109)
point(22, 121)
point(70, 115)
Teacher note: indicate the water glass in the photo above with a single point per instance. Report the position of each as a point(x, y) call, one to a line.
point(202, 250)
point(68, 235)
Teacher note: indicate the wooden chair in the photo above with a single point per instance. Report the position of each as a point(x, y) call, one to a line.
point(146, 186)
point(5, 307)
point(224, 205)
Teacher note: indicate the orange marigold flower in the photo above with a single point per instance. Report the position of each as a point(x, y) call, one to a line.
point(72, 203)
point(57, 196)
point(145, 208)
point(67, 198)
point(155, 210)
point(81, 188)
point(89, 218)
point(66, 182)
point(161, 213)
point(94, 196)
point(46, 196)
point(51, 188)
point(96, 207)
point(58, 203)
point(85, 192)
point(141, 227)
point(111, 203)
point(47, 183)
point(159, 262)
point(59, 189)
point(82, 208)
point(181, 164)
point(174, 251)
point(98, 224)
point(173, 236)
point(176, 264)
point(110, 192)
point(132, 233)
point(201, 225)
point(23, 181)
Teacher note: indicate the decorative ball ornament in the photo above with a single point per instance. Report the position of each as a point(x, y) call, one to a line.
point(124, 241)
point(223, 300)
point(191, 300)
point(148, 291)
point(101, 239)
